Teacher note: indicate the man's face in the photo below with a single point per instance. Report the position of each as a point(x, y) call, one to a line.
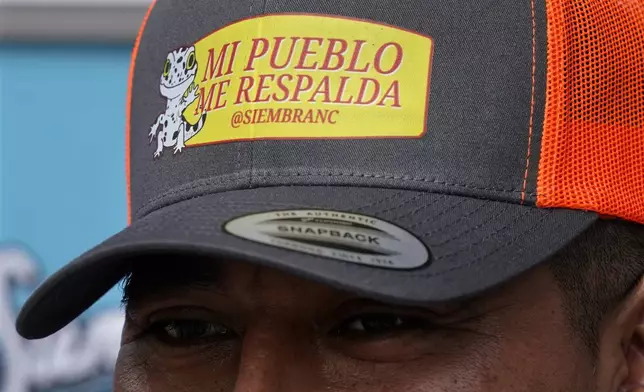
point(253, 329)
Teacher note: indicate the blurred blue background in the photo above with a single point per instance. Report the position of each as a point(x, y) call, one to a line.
point(62, 134)
point(62, 190)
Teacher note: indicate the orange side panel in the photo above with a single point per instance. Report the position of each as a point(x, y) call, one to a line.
point(592, 154)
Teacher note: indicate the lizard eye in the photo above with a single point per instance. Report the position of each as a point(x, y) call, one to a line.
point(166, 68)
point(191, 61)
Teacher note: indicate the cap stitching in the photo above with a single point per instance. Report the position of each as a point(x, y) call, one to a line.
point(504, 246)
point(474, 228)
point(417, 209)
point(487, 237)
point(390, 177)
point(252, 163)
point(381, 201)
point(532, 101)
point(433, 217)
point(203, 182)
point(436, 230)
point(445, 211)
point(400, 205)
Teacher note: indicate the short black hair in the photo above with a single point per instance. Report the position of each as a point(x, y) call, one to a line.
point(155, 271)
point(596, 272)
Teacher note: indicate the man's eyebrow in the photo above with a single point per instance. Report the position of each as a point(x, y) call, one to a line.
point(158, 273)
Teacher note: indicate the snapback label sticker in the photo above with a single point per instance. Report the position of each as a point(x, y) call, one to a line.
point(338, 235)
point(294, 76)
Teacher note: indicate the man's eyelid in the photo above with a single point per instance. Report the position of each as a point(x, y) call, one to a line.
point(355, 309)
point(366, 306)
point(441, 314)
point(184, 313)
point(145, 318)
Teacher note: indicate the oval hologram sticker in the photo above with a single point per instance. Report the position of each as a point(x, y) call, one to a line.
point(342, 236)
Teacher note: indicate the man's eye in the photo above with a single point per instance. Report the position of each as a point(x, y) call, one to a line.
point(190, 331)
point(374, 325)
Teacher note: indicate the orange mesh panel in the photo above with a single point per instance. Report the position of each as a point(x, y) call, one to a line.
point(592, 153)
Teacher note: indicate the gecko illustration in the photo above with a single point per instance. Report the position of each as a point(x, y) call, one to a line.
point(171, 129)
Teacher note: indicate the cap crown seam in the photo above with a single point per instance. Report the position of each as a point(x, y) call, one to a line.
point(151, 205)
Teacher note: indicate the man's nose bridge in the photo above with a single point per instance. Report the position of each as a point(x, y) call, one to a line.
point(274, 360)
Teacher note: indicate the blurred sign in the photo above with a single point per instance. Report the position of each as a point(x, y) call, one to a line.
point(76, 3)
point(82, 354)
point(61, 192)
point(71, 20)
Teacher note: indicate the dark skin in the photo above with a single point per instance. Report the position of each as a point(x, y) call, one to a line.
point(259, 330)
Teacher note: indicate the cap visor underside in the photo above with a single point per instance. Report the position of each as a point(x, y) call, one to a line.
point(474, 245)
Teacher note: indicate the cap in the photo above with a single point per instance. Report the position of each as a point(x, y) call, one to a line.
point(411, 151)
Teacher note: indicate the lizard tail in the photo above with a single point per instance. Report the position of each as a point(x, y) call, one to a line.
point(192, 130)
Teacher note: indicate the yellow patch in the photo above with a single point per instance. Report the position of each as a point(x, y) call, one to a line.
point(309, 76)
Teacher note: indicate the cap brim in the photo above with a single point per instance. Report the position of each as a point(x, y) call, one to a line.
point(474, 245)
